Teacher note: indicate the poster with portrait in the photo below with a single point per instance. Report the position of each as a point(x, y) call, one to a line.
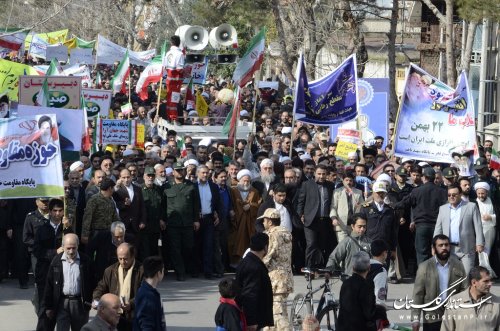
point(30, 157)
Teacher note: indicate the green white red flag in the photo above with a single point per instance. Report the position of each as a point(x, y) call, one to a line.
point(42, 98)
point(12, 38)
point(495, 160)
point(190, 100)
point(122, 73)
point(151, 74)
point(229, 126)
point(252, 60)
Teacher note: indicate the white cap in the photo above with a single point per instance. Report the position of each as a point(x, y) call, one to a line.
point(385, 178)
point(284, 159)
point(128, 152)
point(352, 154)
point(406, 159)
point(76, 165)
point(379, 187)
point(149, 143)
point(205, 142)
point(424, 164)
point(483, 185)
point(191, 162)
point(244, 113)
point(242, 173)
point(286, 130)
point(305, 156)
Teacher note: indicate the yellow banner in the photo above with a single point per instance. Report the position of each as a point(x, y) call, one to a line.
point(9, 77)
point(53, 37)
point(344, 148)
point(71, 43)
point(139, 136)
point(201, 105)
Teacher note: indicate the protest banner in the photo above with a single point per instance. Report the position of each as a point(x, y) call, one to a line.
point(349, 135)
point(77, 70)
point(373, 117)
point(344, 148)
point(9, 77)
point(115, 132)
point(38, 47)
point(140, 136)
point(30, 157)
point(69, 122)
point(81, 56)
point(57, 52)
point(434, 119)
point(13, 38)
point(64, 92)
point(331, 99)
point(108, 53)
point(98, 102)
point(198, 72)
point(53, 37)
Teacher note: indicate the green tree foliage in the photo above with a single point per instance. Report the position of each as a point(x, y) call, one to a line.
point(476, 10)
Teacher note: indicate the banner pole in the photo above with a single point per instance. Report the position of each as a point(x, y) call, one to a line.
point(159, 96)
point(129, 91)
point(236, 100)
point(291, 136)
point(257, 94)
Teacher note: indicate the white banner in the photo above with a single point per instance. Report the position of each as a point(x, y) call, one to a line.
point(108, 53)
point(30, 157)
point(97, 102)
point(79, 71)
point(198, 72)
point(38, 47)
point(81, 55)
point(266, 84)
point(69, 123)
point(58, 52)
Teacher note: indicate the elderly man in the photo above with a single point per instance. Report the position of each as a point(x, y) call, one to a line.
point(102, 248)
point(267, 179)
point(278, 261)
point(246, 201)
point(488, 215)
point(109, 310)
point(461, 221)
point(69, 286)
point(160, 175)
point(123, 279)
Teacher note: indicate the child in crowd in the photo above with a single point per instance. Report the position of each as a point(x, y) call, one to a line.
point(229, 316)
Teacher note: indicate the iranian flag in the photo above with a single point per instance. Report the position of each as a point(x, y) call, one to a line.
point(229, 126)
point(190, 101)
point(151, 74)
point(495, 160)
point(252, 60)
point(42, 98)
point(121, 74)
point(12, 38)
point(53, 69)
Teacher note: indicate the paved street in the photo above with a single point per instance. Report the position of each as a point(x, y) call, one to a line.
point(189, 305)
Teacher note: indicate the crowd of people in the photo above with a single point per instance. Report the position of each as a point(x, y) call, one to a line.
point(197, 207)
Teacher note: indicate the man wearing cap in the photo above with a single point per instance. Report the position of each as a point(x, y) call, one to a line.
point(461, 221)
point(155, 205)
point(488, 214)
point(380, 218)
point(313, 207)
point(450, 176)
point(183, 218)
point(424, 202)
point(100, 211)
point(483, 174)
point(278, 261)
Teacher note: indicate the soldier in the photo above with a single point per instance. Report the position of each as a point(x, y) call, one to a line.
point(183, 212)
point(100, 211)
point(93, 189)
point(278, 261)
point(156, 215)
point(33, 222)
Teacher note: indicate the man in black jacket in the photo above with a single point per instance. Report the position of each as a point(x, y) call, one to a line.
point(357, 298)
point(314, 209)
point(256, 294)
point(65, 300)
point(424, 201)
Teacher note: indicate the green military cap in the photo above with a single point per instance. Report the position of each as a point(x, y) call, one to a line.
point(178, 166)
point(401, 171)
point(149, 171)
point(448, 173)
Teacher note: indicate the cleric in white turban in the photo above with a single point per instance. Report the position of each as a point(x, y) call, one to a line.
point(242, 173)
point(76, 166)
point(488, 216)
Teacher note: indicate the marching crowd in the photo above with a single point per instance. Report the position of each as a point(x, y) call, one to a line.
point(196, 208)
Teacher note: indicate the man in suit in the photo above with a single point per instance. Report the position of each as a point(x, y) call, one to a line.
point(289, 220)
point(109, 310)
point(314, 208)
point(346, 202)
point(210, 209)
point(69, 285)
point(77, 194)
point(436, 278)
point(130, 203)
point(461, 221)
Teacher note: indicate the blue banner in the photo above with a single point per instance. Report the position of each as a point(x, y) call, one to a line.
point(329, 100)
point(373, 95)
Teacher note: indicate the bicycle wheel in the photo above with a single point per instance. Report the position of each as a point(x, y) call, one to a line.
point(300, 308)
point(327, 318)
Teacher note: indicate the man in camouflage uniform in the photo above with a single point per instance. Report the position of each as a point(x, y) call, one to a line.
point(278, 261)
point(100, 211)
point(95, 185)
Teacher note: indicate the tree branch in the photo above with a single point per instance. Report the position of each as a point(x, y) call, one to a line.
point(433, 8)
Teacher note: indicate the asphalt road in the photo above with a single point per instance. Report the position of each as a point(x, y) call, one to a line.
point(188, 305)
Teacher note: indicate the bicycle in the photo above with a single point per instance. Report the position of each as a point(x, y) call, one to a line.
point(328, 306)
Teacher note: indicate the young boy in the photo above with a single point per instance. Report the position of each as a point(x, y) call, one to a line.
point(229, 316)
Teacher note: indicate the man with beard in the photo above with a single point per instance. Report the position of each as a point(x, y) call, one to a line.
point(160, 175)
point(183, 214)
point(107, 164)
point(232, 171)
point(95, 161)
point(483, 175)
point(436, 277)
point(292, 186)
point(202, 154)
point(95, 184)
point(314, 208)
point(267, 179)
point(468, 195)
point(246, 202)
point(488, 214)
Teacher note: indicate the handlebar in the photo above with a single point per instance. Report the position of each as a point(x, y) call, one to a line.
point(319, 271)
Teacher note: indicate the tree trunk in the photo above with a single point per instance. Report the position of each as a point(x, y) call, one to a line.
point(451, 71)
point(471, 32)
point(287, 62)
point(393, 98)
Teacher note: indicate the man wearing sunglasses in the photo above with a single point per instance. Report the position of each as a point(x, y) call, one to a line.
point(461, 221)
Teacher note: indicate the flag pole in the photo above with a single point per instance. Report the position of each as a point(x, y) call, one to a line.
point(291, 135)
point(237, 120)
point(159, 96)
point(257, 94)
point(129, 90)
